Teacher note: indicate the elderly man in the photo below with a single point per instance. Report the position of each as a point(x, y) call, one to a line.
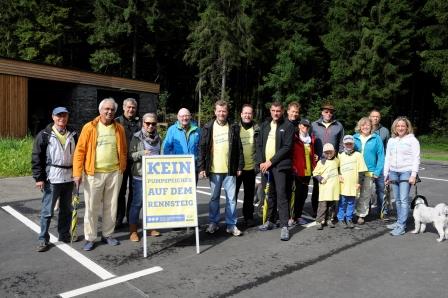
point(221, 159)
point(131, 124)
point(183, 137)
point(101, 154)
point(383, 132)
point(51, 163)
point(274, 146)
point(326, 130)
point(248, 134)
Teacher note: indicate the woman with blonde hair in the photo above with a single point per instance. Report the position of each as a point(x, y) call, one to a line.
point(371, 147)
point(401, 168)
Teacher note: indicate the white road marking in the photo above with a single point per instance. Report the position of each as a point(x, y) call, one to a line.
point(110, 282)
point(77, 256)
point(437, 179)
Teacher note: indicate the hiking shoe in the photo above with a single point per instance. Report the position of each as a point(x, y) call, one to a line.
point(212, 228)
point(360, 221)
point(320, 226)
point(284, 234)
point(249, 223)
point(134, 237)
point(88, 246)
point(266, 226)
point(392, 226)
point(43, 246)
point(110, 241)
point(397, 231)
point(301, 221)
point(349, 225)
point(330, 223)
point(234, 231)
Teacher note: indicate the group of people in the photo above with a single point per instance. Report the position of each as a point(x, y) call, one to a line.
point(287, 151)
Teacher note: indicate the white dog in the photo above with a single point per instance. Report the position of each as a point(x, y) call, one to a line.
point(438, 216)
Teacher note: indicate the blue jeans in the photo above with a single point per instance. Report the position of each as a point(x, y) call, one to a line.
point(379, 188)
point(346, 208)
point(137, 201)
point(401, 190)
point(52, 192)
point(229, 184)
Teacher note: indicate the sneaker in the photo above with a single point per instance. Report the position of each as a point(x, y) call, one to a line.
point(134, 237)
point(397, 231)
point(302, 221)
point(291, 222)
point(88, 246)
point(350, 224)
point(330, 223)
point(392, 226)
point(320, 226)
point(284, 234)
point(234, 231)
point(342, 224)
point(212, 228)
point(266, 226)
point(110, 241)
point(153, 233)
point(361, 221)
point(43, 246)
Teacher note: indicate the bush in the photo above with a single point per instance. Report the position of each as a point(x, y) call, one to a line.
point(15, 156)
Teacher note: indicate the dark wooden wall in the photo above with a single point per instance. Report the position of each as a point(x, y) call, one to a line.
point(13, 106)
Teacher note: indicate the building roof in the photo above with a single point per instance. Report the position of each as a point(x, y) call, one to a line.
point(54, 73)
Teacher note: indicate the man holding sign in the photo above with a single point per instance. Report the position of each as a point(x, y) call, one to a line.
point(221, 159)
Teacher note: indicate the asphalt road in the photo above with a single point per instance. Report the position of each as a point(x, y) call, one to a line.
point(364, 262)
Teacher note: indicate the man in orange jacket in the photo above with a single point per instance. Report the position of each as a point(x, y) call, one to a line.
point(101, 154)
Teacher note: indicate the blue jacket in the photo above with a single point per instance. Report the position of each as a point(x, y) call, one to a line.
point(177, 142)
point(373, 153)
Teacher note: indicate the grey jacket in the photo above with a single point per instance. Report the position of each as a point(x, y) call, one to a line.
point(137, 151)
point(383, 133)
point(333, 135)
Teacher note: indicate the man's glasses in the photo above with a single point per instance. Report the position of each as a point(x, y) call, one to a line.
point(151, 123)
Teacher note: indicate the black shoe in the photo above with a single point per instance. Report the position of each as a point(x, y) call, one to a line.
point(43, 246)
point(350, 224)
point(249, 223)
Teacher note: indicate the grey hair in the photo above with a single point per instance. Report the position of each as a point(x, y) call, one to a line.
point(129, 100)
point(149, 115)
point(109, 99)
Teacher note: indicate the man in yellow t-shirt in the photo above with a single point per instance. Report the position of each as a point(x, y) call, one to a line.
point(274, 146)
point(101, 154)
point(248, 135)
point(221, 159)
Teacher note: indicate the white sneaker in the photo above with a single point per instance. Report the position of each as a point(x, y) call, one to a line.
point(234, 231)
point(212, 228)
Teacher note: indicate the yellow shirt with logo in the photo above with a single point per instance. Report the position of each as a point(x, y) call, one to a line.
point(330, 190)
point(351, 166)
point(270, 142)
point(62, 138)
point(247, 140)
point(220, 151)
point(106, 157)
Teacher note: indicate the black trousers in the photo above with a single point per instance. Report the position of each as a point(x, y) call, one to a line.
point(122, 207)
point(247, 178)
point(278, 195)
point(300, 194)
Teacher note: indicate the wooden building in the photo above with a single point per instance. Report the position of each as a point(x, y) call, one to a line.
point(30, 91)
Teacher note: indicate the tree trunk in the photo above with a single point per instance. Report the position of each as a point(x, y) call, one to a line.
point(223, 79)
point(134, 52)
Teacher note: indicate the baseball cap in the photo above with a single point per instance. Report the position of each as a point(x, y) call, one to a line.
point(59, 110)
point(305, 122)
point(348, 139)
point(328, 147)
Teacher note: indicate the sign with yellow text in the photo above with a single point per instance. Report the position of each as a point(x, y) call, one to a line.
point(169, 192)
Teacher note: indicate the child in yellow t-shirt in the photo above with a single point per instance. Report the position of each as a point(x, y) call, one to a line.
point(327, 173)
point(351, 166)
